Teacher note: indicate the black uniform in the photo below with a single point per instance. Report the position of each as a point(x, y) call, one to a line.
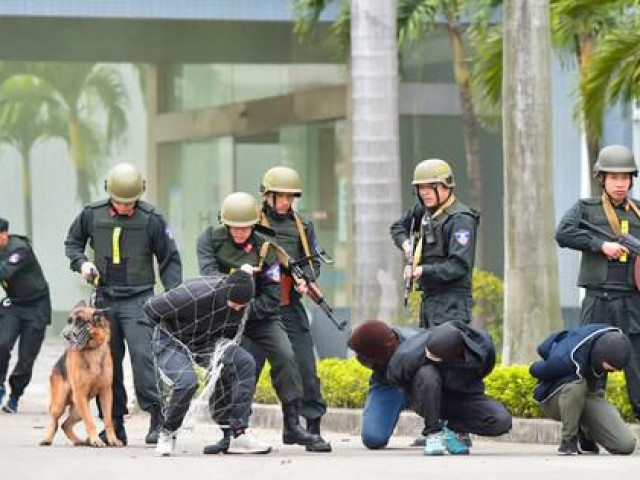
point(218, 253)
point(294, 316)
point(611, 294)
point(124, 247)
point(24, 313)
point(446, 254)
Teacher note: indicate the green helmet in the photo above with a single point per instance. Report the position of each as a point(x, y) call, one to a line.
point(615, 159)
point(124, 183)
point(433, 170)
point(281, 180)
point(239, 209)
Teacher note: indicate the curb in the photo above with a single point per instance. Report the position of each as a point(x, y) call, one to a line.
point(342, 420)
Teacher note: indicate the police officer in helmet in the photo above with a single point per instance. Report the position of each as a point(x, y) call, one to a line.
point(226, 248)
point(438, 234)
point(607, 270)
point(125, 234)
point(296, 235)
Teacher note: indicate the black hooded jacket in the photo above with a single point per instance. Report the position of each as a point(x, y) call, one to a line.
point(460, 376)
point(196, 313)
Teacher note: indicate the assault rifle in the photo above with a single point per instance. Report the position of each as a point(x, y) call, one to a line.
point(313, 292)
point(408, 282)
point(627, 240)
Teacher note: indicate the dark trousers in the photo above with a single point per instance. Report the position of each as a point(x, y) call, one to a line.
point(580, 409)
point(437, 308)
point(231, 401)
point(620, 310)
point(269, 339)
point(296, 324)
point(464, 412)
point(28, 322)
point(127, 321)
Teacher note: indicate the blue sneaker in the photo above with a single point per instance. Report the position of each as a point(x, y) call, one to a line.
point(12, 405)
point(454, 442)
point(434, 443)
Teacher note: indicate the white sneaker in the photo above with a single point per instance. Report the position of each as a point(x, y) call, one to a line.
point(166, 444)
point(247, 443)
point(434, 443)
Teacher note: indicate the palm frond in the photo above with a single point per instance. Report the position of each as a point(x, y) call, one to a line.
point(415, 18)
point(614, 72)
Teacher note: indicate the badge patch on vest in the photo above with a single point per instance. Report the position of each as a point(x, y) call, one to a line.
point(463, 237)
point(14, 258)
point(273, 273)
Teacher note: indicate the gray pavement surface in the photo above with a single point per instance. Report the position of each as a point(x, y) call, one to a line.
point(22, 458)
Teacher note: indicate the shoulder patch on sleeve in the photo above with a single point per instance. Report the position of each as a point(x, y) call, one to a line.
point(14, 258)
point(273, 273)
point(462, 236)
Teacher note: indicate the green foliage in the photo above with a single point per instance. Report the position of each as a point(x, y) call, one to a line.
point(345, 384)
point(513, 387)
point(617, 394)
point(488, 295)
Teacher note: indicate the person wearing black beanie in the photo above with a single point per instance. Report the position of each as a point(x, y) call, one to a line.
point(195, 320)
point(438, 373)
point(572, 377)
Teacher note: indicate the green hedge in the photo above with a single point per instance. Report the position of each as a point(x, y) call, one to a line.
point(344, 384)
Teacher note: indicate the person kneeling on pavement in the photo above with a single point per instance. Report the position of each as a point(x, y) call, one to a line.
point(438, 373)
point(572, 377)
point(194, 320)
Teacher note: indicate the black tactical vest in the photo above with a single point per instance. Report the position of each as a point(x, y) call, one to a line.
point(122, 246)
point(287, 235)
point(437, 252)
point(28, 283)
point(229, 256)
point(596, 271)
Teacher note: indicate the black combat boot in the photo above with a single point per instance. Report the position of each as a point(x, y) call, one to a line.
point(222, 446)
point(320, 445)
point(155, 425)
point(293, 433)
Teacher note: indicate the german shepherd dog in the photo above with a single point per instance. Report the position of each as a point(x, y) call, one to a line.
point(84, 371)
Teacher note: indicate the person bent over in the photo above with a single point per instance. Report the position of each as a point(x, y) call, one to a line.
point(571, 380)
point(195, 320)
point(438, 373)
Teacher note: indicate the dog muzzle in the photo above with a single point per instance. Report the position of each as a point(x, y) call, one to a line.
point(76, 336)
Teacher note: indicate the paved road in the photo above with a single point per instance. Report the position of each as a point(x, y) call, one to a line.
point(22, 458)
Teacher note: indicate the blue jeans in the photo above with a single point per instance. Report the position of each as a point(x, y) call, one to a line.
point(381, 412)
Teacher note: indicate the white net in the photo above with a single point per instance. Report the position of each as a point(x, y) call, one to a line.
point(206, 376)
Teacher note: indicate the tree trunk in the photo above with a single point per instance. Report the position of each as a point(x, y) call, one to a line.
point(26, 192)
point(375, 158)
point(587, 42)
point(77, 155)
point(531, 296)
point(471, 129)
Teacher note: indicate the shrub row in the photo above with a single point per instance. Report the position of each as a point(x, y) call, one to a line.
point(345, 383)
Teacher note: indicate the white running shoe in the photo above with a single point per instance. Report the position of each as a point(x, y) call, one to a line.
point(247, 443)
point(166, 444)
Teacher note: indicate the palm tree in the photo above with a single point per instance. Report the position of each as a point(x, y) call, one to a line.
point(415, 18)
point(22, 125)
point(86, 105)
point(532, 304)
point(577, 27)
point(375, 156)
